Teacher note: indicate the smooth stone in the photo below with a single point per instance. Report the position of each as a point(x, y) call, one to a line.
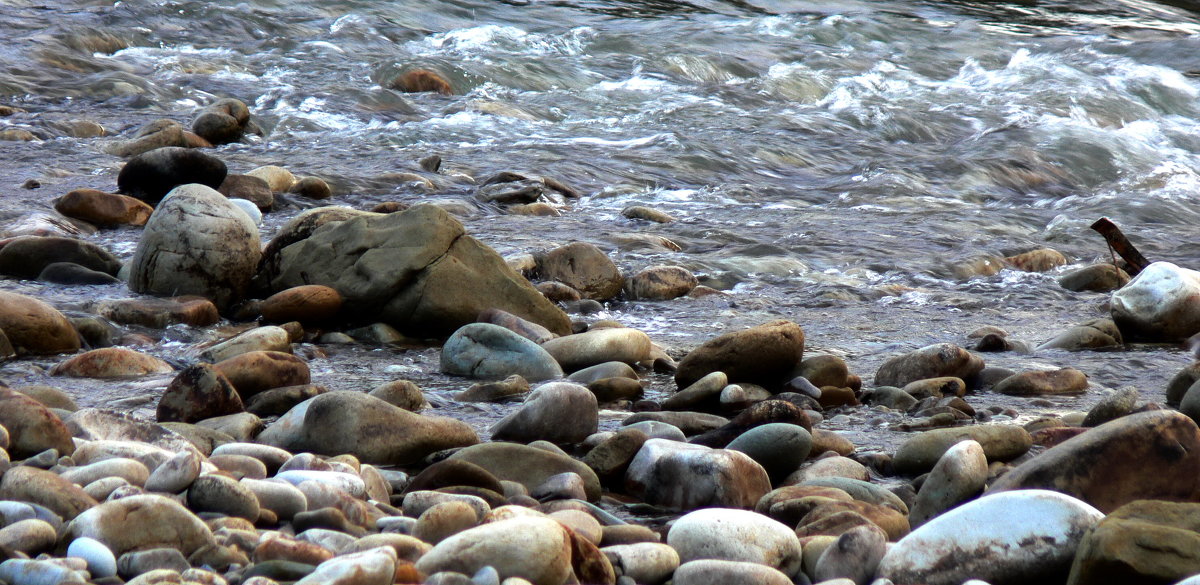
point(371, 567)
point(103, 209)
point(1040, 260)
point(603, 371)
point(509, 387)
point(1094, 334)
point(862, 491)
point(278, 496)
point(258, 371)
point(28, 536)
point(1145, 541)
point(922, 452)
point(659, 430)
point(279, 179)
point(824, 370)
point(559, 412)
point(25, 257)
point(1161, 303)
point(196, 242)
point(718, 572)
point(701, 393)
point(528, 466)
point(958, 476)
point(598, 346)
point(277, 401)
point(855, 555)
point(1013, 537)
point(1042, 383)
point(30, 572)
point(222, 495)
point(583, 267)
point(311, 303)
point(131, 470)
point(777, 348)
point(41, 487)
point(647, 214)
point(1164, 444)
point(337, 423)
point(268, 338)
point(31, 427)
point(454, 472)
point(891, 397)
point(111, 362)
point(933, 361)
point(34, 327)
point(757, 414)
point(272, 457)
point(644, 562)
point(523, 327)
point(247, 188)
point(779, 447)
point(690, 423)
point(160, 313)
point(684, 476)
point(1115, 405)
point(141, 522)
point(616, 389)
point(198, 392)
point(537, 549)
point(444, 520)
point(416, 270)
point(101, 562)
point(487, 351)
point(151, 175)
point(1103, 277)
point(347, 482)
point(1181, 382)
point(735, 535)
point(175, 474)
point(241, 426)
point(660, 283)
point(836, 466)
point(611, 457)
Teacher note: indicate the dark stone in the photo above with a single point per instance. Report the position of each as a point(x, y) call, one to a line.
point(151, 175)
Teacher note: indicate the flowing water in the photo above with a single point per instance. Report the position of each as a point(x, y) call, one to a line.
point(830, 163)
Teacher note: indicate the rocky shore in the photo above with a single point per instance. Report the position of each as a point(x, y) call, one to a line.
point(252, 472)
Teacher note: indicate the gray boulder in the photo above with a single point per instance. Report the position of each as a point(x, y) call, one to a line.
point(196, 242)
point(416, 270)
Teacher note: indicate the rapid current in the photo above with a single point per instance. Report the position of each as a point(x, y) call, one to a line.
point(833, 163)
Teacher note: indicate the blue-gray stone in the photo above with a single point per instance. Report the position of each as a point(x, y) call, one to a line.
point(483, 350)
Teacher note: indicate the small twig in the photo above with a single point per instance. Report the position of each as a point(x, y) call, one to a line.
point(1118, 242)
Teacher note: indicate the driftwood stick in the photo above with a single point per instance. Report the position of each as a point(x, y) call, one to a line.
point(1118, 242)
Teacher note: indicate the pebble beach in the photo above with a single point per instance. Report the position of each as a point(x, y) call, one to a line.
point(376, 293)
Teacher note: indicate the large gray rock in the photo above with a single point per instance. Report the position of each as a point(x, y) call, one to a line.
point(1161, 303)
point(354, 423)
point(684, 476)
point(196, 242)
point(416, 270)
point(492, 352)
point(1152, 455)
point(1004, 539)
point(559, 412)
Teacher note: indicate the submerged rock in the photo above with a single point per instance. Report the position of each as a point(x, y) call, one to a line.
point(765, 355)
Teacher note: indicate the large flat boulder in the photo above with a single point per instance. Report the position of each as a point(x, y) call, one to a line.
point(416, 270)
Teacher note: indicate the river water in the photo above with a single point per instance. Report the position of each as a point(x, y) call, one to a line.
point(830, 163)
